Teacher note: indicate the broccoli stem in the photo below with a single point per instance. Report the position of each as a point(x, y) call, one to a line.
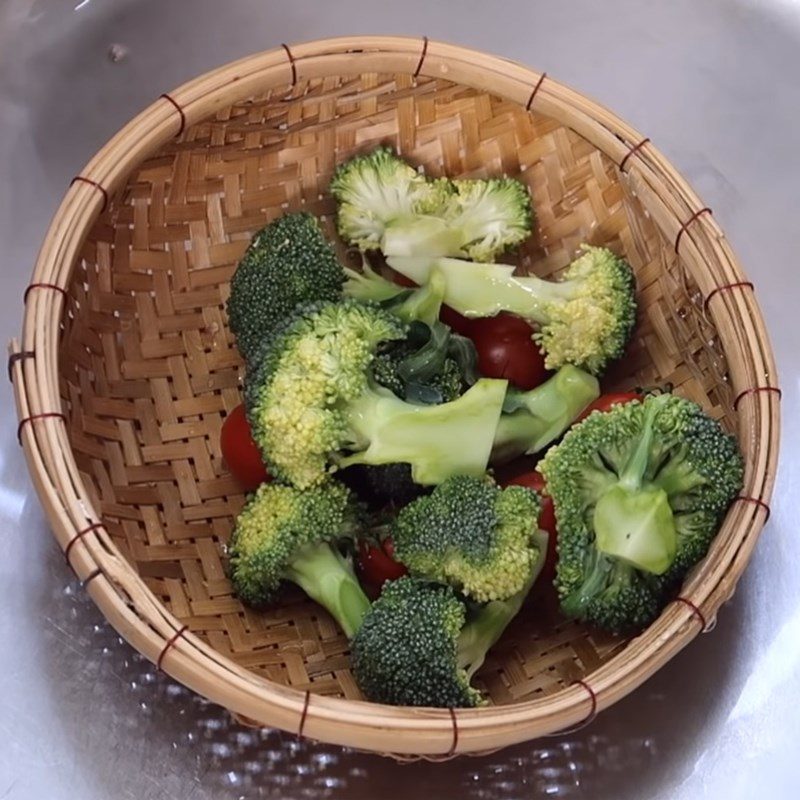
point(370, 285)
point(422, 234)
point(484, 290)
point(539, 416)
point(596, 579)
point(438, 441)
point(423, 304)
point(483, 630)
point(634, 522)
point(328, 578)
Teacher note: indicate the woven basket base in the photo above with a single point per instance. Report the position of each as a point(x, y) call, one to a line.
point(149, 368)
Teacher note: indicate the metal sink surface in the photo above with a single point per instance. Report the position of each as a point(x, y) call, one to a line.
point(715, 85)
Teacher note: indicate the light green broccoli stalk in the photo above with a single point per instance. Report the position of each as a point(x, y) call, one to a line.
point(584, 319)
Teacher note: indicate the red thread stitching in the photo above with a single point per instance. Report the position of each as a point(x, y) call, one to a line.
point(756, 390)
point(422, 56)
point(170, 642)
point(14, 357)
point(91, 576)
point(38, 416)
point(634, 149)
point(93, 527)
point(756, 501)
point(43, 286)
point(697, 612)
point(535, 90)
point(688, 223)
point(303, 714)
point(96, 186)
point(453, 746)
point(291, 62)
point(723, 288)
point(179, 110)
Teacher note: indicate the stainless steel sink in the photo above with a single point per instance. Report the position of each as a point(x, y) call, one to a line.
point(715, 85)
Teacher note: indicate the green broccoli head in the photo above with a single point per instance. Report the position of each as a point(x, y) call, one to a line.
point(406, 651)
point(288, 263)
point(375, 189)
point(471, 534)
point(420, 645)
point(283, 534)
point(639, 492)
point(585, 319)
point(312, 398)
point(429, 366)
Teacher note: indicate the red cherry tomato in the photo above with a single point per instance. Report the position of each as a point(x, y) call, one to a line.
point(547, 519)
point(240, 451)
point(456, 321)
point(377, 564)
point(506, 350)
point(607, 401)
point(400, 279)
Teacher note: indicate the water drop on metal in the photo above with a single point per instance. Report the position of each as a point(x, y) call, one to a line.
point(117, 52)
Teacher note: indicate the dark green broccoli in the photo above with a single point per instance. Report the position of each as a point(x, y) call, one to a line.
point(381, 485)
point(383, 203)
point(533, 419)
point(471, 534)
point(283, 534)
point(584, 319)
point(419, 645)
point(639, 492)
point(431, 365)
point(289, 262)
point(312, 403)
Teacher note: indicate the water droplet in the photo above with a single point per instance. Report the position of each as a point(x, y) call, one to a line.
point(117, 52)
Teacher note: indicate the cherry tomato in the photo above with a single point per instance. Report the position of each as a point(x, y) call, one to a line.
point(547, 519)
point(400, 279)
point(506, 350)
point(607, 401)
point(240, 451)
point(456, 321)
point(377, 564)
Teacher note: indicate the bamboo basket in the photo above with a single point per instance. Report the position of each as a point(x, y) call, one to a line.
point(126, 367)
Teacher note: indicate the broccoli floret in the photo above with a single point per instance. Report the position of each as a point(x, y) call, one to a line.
point(480, 220)
point(376, 189)
point(471, 534)
point(429, 366)
point(384, 203)
point(639, 492)
point(283, 534)
point(312, 403)
point(288, 262)
point(584, 319)
point(533, 419)
point(419, 646)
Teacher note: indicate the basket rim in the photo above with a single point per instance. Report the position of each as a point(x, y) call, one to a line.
point(139, 616)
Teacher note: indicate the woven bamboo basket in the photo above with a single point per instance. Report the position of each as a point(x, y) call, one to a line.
point(126, 366)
